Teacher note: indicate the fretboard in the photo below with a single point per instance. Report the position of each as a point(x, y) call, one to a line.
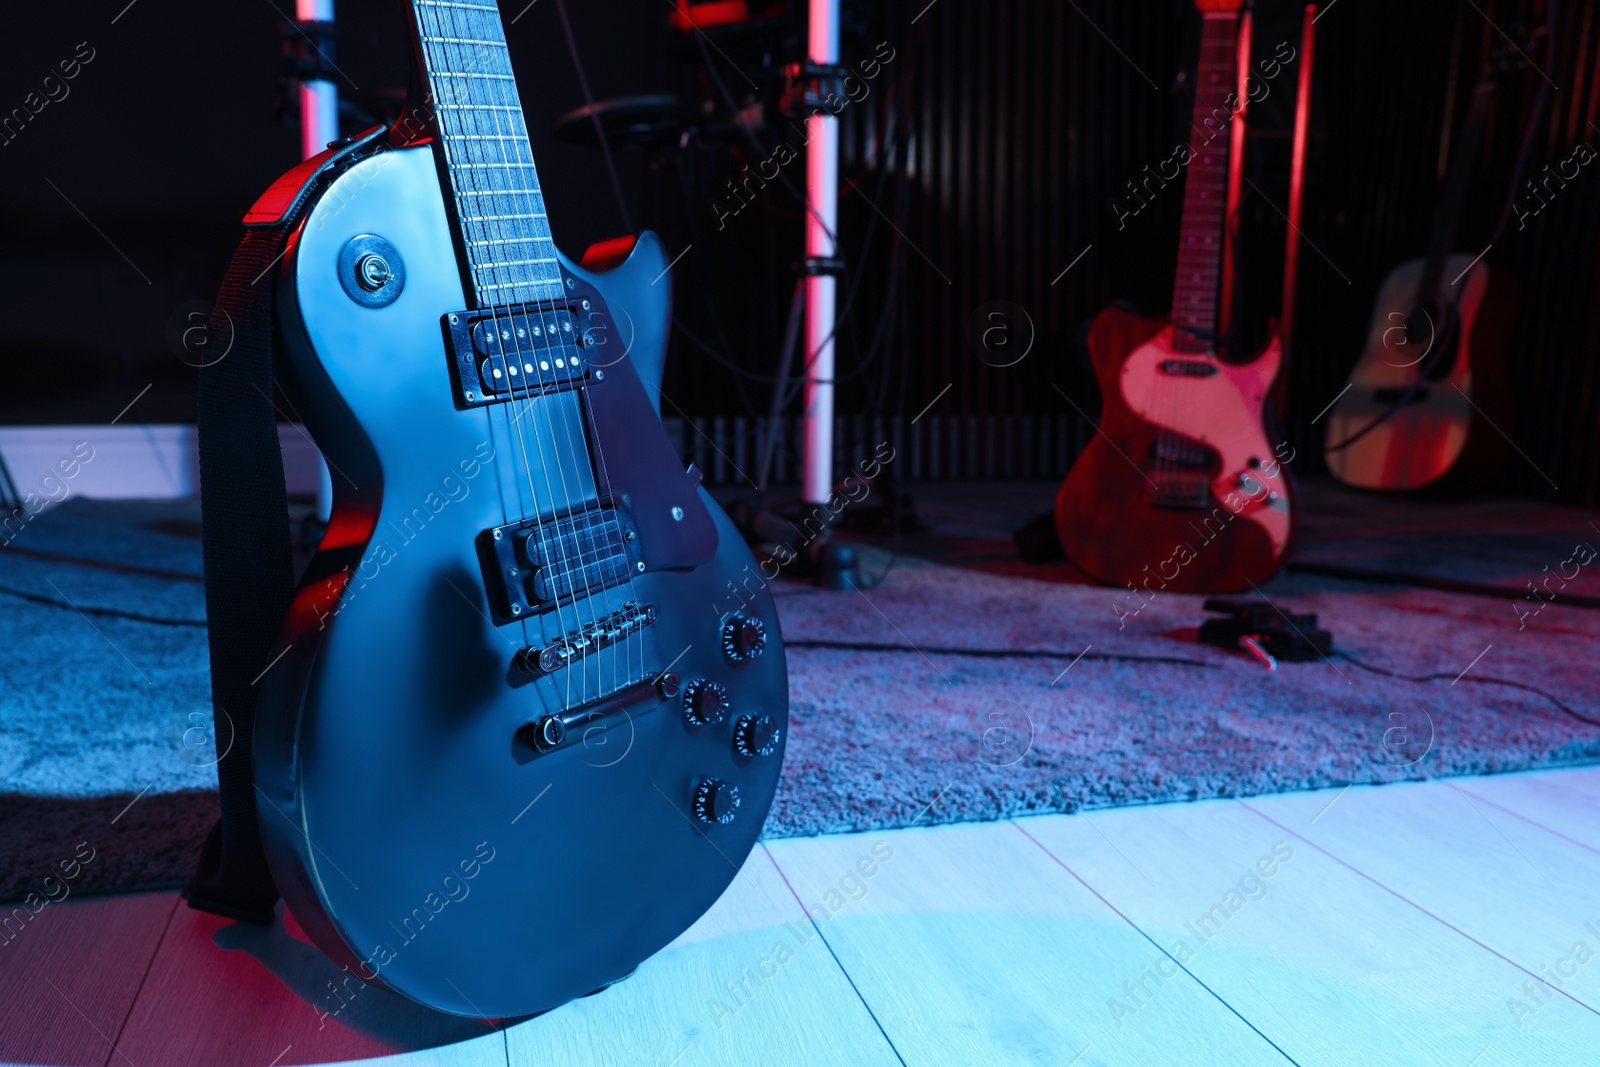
point(1194, 292)
point(495, 186)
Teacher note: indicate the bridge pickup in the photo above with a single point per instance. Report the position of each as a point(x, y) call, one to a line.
point(1394, 396)
point(603, 632)
point(537, 565)
point(501, 354)
point(1179, 489)
point(1189, 368)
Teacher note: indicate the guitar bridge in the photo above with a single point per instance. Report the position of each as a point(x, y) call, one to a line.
point(586, 640)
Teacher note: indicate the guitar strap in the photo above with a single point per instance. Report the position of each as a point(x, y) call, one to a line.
point(245, 528)
point(248, 564)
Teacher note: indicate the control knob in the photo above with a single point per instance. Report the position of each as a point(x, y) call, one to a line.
point(705, 703)
point(743, 638)
point(715, 801)
point(755, 735)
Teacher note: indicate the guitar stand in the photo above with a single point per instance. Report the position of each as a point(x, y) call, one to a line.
point(795, 538)
point(1259, 628)
point(796, 535)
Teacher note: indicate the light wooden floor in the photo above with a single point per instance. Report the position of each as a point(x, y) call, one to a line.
point(1453, 923)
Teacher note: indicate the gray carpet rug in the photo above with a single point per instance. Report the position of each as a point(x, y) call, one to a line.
point(945, 694)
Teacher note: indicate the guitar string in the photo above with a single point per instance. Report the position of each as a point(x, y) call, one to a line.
point(444, 117)
point(442, 101)
point(449, 102)
point(1173, 453)
point(492, 191)
point(581, 539)
point(1189, 283)
point(603, 476)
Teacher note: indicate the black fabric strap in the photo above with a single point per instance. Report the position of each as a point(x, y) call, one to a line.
point(248, 565)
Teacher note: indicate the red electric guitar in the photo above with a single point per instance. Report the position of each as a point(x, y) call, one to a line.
point(1182, 488)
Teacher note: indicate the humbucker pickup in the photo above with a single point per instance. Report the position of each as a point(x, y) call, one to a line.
point(538, 564)
point(500, 354)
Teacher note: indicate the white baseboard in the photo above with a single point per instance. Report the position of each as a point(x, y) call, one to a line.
point(130, 462)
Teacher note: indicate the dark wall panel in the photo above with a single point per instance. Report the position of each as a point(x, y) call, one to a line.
point(986, 160)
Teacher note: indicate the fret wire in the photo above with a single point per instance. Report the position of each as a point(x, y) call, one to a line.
point(504, 192)
point(463, 100)
point(508, 240)
point(520, 262)
point(483, 218)
point(465, 40)
point(1194, 294)
point(517, 285)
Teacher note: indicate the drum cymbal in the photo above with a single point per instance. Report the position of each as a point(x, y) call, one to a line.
point(651, 122)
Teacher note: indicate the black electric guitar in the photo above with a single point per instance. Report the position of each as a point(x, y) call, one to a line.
point(511, 747)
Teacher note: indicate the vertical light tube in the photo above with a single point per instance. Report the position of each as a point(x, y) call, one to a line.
point(1230, 223)
point(1297, 182)
point(319, 100)
point(319, 124)
point(822, 225)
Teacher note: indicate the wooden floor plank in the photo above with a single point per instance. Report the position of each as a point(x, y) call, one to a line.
point(1564, 802)
point(69, 974)
point(221, 994)
point(973, 947)
point(723, 993)
point(1335, 969)
point(1398, 924)
point(1526, 894)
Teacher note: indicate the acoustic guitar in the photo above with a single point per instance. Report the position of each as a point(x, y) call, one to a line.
point(512, 746)
point(1182, 488)
point(1433, 369)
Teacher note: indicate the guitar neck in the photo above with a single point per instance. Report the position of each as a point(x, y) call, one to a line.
point(1447, 215)
point(1200, 238)
point(489, 167)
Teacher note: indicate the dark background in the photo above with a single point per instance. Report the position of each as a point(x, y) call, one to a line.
point(986, 158)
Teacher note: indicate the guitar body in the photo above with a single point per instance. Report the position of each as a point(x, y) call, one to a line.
point(1438, 439)
point(1181, 489)
point(415, 829)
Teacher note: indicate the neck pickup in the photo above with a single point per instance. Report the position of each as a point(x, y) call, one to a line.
point(1189, 368)
point(501, 354)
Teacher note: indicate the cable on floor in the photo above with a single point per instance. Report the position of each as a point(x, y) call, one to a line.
point(1482, 679)
point(993, 653)
point(113, 613)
